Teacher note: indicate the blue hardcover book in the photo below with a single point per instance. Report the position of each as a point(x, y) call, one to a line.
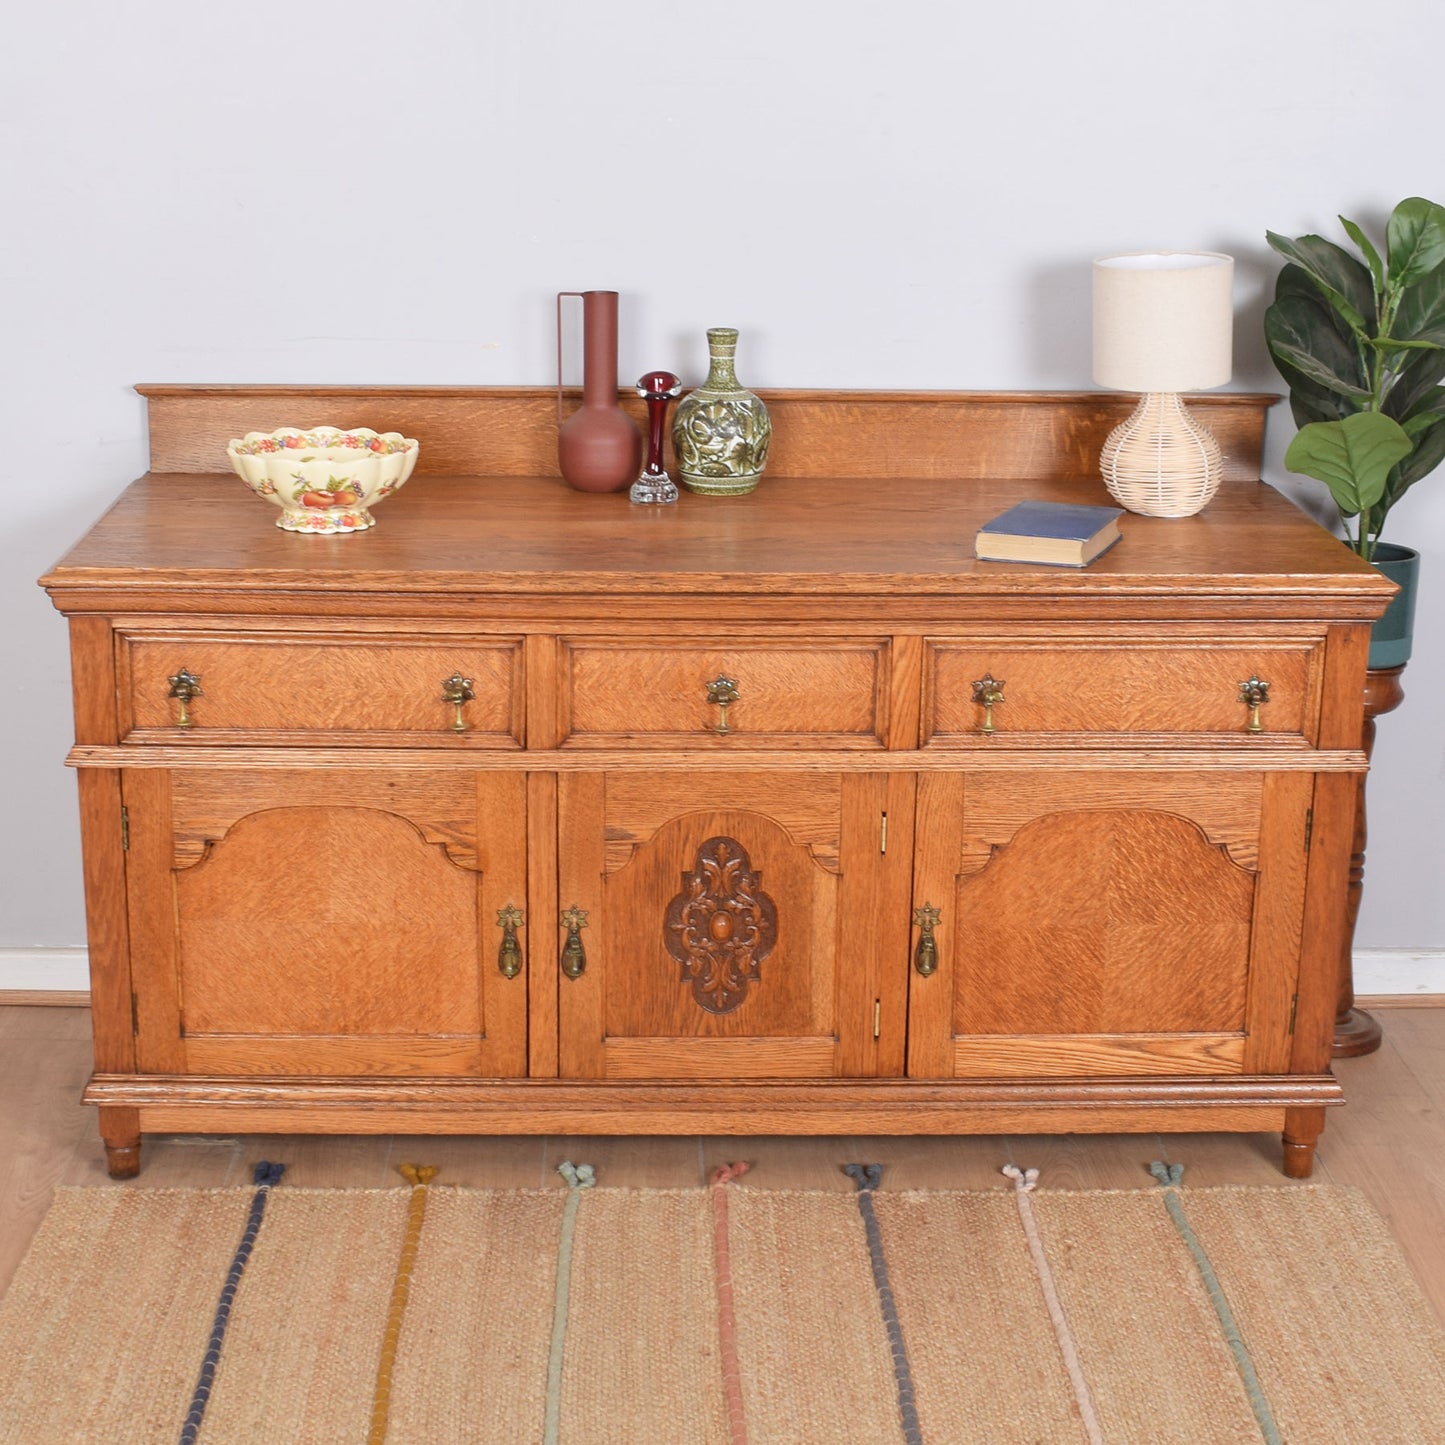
point(1058, 534)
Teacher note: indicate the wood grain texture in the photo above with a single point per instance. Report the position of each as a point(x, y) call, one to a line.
point(513, 430)
point(1133, 908)
point(647, 692)
point(1104, 923)
point(328, 930)
point(1092, 685)
point(328, 687)
point(491, 542)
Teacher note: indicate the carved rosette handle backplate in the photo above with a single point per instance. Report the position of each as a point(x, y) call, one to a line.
point(509, 955)
point(1254, 693)
point(574, 956)
point(925, 956)
point(457, 691)
point(721, 926)
point(988, 693)
point(722, 693)
point(185, 686)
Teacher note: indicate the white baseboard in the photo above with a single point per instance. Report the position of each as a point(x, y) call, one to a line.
point(43, 970)
point(1401, 971)
point(1377, 971)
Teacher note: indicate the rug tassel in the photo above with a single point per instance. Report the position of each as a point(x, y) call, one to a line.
point(726, 1173)
point(1024, 1179)
point(1168, 1175)
point(578, 1176)
point(865, 1176)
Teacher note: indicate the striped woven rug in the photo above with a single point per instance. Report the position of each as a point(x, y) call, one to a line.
point(728, 1314)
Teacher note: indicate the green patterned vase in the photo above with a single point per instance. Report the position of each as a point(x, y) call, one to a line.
point(721, 431)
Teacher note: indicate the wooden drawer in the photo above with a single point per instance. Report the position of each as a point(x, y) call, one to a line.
point(321, 689)
point(656, 692)
point(1119, 691)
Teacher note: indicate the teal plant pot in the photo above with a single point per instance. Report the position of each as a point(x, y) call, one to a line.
point(1391, 636)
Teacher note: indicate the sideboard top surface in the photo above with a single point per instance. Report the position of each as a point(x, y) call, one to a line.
point(841, 535)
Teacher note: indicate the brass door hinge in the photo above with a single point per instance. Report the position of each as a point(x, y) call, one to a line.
point(883, 834)
point(1293, 1009)
point(1309, 827)
point(124, 829)
point(877, 1017)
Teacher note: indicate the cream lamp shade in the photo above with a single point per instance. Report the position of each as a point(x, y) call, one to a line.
point(1163, 324)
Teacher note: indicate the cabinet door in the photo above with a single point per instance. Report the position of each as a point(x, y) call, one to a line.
point(1108, 923)
point(732, 925)
point(326, 922)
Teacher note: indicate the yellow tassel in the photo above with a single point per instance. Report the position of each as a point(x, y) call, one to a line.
point(419, 1176)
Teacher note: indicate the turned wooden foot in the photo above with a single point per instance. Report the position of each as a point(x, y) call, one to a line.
point(120, 1130)
point(1302, 1130)
point(1356, 1032)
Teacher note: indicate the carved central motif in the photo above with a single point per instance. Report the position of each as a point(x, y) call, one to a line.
point(721, 926)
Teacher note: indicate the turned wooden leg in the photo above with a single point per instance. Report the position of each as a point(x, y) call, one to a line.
point(120, 1129)
point(1302, 1130)
point(1356, 1032)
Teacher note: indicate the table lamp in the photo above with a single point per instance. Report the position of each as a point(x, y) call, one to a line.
point(1163, 324)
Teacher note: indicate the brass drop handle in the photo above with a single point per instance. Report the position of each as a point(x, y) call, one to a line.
point(574, 957)
point(925, 956)
point(1254, 694)
point(722, 692)
point(457, 690)
point(185, 686)
point(988, 693)
point(509, 955)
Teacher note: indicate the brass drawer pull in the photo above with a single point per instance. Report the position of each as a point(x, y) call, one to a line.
point(185, 686)
point(722, 692)
point(509, 955)
point(988, 693)
point(574, 957)
point(457, 690)
point(925, 956)
point(1254, 694)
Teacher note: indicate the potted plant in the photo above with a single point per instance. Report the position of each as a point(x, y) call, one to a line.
point(1360, 340)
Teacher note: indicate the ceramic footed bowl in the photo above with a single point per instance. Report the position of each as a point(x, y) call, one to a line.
point(323, 479)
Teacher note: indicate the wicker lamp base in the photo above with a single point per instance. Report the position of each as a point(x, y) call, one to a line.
point(1161, 462)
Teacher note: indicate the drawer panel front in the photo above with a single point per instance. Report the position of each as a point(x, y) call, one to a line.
point(618, 693)
point(322, 689)
point(1118, 691)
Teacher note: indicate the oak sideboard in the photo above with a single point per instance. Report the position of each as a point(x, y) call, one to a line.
point(533, 811)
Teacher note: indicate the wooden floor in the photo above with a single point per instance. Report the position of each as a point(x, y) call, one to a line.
point(1389, 1141)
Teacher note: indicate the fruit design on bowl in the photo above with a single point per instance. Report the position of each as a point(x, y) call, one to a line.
point(324, 479)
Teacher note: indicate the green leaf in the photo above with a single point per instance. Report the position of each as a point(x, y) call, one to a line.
point(1352, 457)
point(1421, 315)
point(1387, 343)
point(1416, 386)
point(1372, 256)
point(1415, 240)
point(1428, 453)
point(1344, 281)
point(1301, 332)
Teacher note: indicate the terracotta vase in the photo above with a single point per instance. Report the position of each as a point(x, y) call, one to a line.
point(599, 448)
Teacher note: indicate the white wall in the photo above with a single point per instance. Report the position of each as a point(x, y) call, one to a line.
point(877, 195)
